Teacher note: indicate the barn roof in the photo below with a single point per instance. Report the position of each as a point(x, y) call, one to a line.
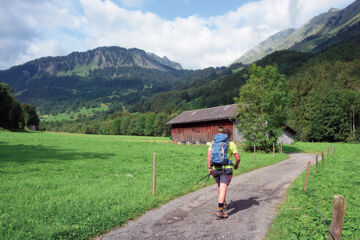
point(205, 114)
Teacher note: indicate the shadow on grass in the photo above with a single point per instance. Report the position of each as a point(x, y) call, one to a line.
point(291, 149)
point(22, 154)
point(241, 204)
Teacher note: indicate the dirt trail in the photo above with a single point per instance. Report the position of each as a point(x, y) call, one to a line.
point(252, 200)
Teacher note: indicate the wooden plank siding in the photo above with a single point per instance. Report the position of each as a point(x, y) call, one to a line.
point(200, 132)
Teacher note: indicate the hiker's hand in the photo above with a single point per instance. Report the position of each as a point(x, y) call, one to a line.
point(237, 157)
point(211, 171)
point(236, 165)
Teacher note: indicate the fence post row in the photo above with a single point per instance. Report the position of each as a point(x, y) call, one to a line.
point(322, 157)
point(154, 175)
point(337, 219)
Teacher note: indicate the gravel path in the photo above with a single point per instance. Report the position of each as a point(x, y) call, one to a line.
point(252, 199)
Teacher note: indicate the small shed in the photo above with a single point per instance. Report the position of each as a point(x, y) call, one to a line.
point(200, 126)
point(288, 135)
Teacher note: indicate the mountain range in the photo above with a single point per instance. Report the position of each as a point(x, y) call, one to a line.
point(139, 81)
point(103, 75)
point(321, 32)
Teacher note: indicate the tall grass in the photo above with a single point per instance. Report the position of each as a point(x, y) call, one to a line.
point(74, 186)
point(302, 214)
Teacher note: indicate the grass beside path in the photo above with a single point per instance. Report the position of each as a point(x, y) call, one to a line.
point(299, 218)
point(74, 186)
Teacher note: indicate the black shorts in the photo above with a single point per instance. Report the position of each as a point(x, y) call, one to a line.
point(223, 175)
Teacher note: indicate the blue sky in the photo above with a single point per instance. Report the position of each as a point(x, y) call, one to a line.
point(195, 33)
point(171, 9)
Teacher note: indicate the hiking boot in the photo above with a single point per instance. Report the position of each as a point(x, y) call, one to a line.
point(220, 214)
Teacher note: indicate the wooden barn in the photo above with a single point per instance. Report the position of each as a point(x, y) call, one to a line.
point(200, 126)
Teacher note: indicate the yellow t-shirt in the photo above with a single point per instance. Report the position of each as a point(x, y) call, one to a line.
point(232, 149)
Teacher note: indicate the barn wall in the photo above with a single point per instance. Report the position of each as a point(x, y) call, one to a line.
point(198, 132)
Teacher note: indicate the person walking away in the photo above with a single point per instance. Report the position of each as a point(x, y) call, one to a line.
point(222, 148)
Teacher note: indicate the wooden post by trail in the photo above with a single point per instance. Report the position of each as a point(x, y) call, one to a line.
point(322, 157)
point(154, 175)
point(337, 219)
point(274, 149)
point(316, 163)
point(281, 145)
point(327, 152)
point(254, 153)
point(307, 174)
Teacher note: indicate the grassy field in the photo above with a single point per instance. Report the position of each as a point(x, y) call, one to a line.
point(73, 186)
point(299, 216)
point(73, 115)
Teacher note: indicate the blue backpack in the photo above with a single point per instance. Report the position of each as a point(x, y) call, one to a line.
point(219, 149)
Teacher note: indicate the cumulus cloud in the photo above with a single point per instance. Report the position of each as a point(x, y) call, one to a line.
point(58, 27)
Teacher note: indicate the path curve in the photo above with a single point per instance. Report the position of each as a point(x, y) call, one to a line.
point(252, 199)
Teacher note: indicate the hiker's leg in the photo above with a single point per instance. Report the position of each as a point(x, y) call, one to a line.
point(220, 214)
point(222, 192)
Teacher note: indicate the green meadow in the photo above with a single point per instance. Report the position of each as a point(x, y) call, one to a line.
point(74, 186)
point(302, 215)
point(74, 115)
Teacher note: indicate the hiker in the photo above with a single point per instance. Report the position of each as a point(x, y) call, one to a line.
point(222, 172)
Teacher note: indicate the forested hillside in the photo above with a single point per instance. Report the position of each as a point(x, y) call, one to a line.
point(324, 87)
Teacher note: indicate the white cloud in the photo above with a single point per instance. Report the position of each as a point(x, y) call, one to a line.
point(57, 27)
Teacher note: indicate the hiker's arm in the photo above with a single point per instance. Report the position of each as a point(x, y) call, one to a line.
point(208, 159)
point(237, 157)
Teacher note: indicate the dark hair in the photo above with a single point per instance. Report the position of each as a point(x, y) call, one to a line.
point(220, 128)
point(227, 132)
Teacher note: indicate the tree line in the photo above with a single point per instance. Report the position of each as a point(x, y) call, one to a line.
point(13, 114)
point(121, 123)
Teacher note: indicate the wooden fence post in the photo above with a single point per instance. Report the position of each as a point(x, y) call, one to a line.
point(327, 153)
point(281, 145)
point(154, 175)
point(316, 163)
point(274, 149)
point(337, 219)
point(254, 153)
point(307, 174)
point(322, 157)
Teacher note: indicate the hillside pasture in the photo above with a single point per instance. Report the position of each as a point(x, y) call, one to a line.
point(74, 114)
point(74, 186)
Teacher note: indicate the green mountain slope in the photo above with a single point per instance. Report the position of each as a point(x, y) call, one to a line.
point(321, 32)
point(111, 75)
